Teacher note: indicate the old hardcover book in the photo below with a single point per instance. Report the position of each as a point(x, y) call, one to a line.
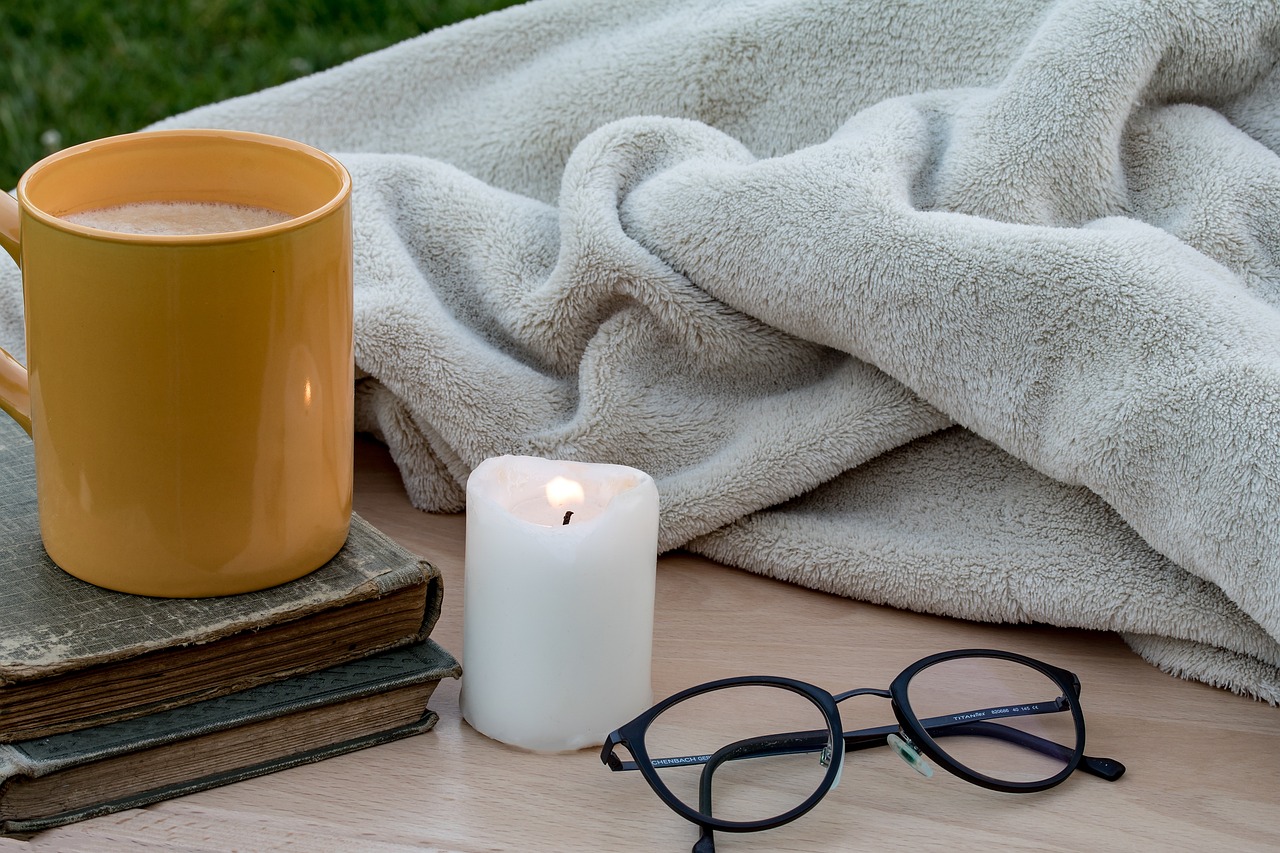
point(55, 780)
point(74, 655)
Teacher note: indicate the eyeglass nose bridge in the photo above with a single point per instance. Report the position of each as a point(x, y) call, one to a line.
point(899, 741)
point(862, 691)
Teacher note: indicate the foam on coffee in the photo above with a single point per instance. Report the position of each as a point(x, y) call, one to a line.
point(177, 217)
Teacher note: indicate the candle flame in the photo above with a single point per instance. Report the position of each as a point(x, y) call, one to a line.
point(561, 491)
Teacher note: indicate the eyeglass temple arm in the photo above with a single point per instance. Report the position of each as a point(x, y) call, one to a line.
point(1104, 768)
point(786, 743)
point(955, 724)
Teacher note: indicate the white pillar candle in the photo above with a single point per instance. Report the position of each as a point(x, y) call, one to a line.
point(558, 600)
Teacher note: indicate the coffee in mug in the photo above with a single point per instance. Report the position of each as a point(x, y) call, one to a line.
point(177, 217)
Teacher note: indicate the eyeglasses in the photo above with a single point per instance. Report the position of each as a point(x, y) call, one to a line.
point(753, 753)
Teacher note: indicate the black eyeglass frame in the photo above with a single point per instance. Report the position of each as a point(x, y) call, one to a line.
point(631, 736)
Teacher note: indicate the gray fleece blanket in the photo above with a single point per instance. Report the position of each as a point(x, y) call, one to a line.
point(967, 308)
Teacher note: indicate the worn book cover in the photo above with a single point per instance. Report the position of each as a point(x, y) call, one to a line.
point(50, 781)
point(74, 655)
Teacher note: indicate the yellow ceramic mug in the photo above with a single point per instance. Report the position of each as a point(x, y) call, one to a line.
point(189, 396)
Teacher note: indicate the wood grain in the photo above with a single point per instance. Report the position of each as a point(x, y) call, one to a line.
point(1202, 762)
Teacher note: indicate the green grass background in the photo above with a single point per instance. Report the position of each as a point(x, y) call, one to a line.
point(73, 70)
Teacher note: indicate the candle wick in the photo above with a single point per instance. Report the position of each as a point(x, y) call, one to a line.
point(566, 517)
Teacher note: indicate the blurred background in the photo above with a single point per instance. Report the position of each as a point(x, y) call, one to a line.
point(74, 70)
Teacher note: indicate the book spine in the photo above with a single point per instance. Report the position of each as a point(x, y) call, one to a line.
point(20, 826)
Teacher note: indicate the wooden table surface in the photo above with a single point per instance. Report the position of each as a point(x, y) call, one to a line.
point(1204, 765)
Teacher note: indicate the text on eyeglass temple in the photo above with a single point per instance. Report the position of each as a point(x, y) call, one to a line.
point(677, 762)
point(995, 712)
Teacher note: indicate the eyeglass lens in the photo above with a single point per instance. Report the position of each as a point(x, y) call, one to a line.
point(998, 718)
point(746, 753)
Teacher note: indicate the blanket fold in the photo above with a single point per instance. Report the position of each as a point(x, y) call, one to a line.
point(965, 308)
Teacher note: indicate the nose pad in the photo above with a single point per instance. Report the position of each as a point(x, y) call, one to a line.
point(909, 753)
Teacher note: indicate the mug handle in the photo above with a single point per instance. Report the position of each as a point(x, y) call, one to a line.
point(15, 392)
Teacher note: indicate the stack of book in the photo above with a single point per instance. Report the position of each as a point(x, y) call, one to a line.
point(110, 701)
